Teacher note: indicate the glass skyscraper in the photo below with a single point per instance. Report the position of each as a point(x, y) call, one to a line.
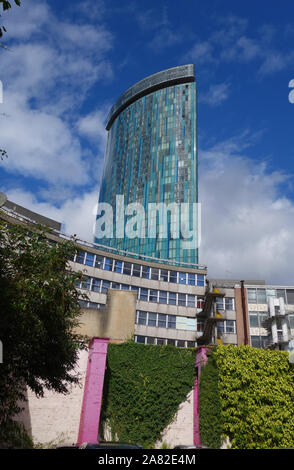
point(151, 158)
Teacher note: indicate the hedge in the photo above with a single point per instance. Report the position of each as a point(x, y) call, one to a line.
point(254, 403)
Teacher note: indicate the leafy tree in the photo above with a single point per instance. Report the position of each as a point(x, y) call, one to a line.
point(39, 310)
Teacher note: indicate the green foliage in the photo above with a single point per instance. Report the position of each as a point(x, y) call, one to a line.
point(256, 390)
point(209, 406)
point(144, 386)
point(14, 436)
point(38, 311)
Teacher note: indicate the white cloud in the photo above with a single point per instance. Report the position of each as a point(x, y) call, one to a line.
point(77, 214)
point(230, 42)
point(46, 77)
point(93, 127)
point(247, 228)
point(216, 94)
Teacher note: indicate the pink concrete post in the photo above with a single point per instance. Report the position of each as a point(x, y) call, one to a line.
point(90, 415)
point(201, 360)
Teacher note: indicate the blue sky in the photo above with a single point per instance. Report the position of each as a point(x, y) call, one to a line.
point(69, 61)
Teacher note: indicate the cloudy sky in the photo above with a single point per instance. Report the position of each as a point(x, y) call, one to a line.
point(67, 62)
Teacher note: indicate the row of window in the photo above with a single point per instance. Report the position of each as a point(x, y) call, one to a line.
point(257, 320)
point(180, 343)
point(94, 305)
point(148, 295)
point(225, 303)
point(168, 321)
point(226, 327)
point(137, 270)
point(260, 296)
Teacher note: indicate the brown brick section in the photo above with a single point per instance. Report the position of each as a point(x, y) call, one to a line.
point(240, 317)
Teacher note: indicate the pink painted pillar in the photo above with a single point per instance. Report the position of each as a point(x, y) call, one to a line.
point(201, 360)
point(90, 415)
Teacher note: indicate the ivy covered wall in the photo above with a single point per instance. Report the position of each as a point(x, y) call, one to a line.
point(247, 394)
point(143, 388)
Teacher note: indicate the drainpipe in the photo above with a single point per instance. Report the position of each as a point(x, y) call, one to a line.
point(244, 312)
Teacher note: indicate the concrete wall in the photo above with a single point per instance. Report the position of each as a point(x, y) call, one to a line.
point(116, 321)
point(180, 431)
point(55, 418)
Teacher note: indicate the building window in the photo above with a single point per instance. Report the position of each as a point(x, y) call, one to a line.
point(163, 275)
point(80, 258)
point(253, 320)
point(162, 297)
point(227, 327)
point(108, 264)
point(140, 339)
point(89, 259)
point(99, 261)
point(171, 321)
point(261, 296)
point(251, 294)
point(161, 320)
point(152, 319)
point(154, 274)
point(143, 294)
point(127, 268)
point(173, 276)
point(225, 303)
point(200, 279)
point(145, 272)
point(172, 298)
point(258, 342)
point(151, 340)
point(141, 318)
point(105, 286)
point(191, 300)
point(182, 278)
point(86, 283)
point(153, 295)
point(182, 299)
point(118, 265)
point(191, 279)
point(160, 341)
point(136, 270)
point(257, 319)
point(96, 284)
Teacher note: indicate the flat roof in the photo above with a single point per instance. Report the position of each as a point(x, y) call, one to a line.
point(163, 79)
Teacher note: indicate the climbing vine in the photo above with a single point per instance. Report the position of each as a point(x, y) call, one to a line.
point(143, 388)
point(256, 396)
point(210, 424)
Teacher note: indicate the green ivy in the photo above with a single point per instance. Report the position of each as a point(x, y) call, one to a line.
point(210, 406)
point(256, 392)
point(143, 388)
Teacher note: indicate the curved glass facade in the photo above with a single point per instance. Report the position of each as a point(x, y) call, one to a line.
point(151, 158)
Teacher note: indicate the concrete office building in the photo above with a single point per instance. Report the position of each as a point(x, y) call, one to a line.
point(248, 312)
point(151, 158)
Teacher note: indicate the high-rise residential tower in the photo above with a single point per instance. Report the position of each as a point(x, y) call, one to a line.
point(151, 163)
